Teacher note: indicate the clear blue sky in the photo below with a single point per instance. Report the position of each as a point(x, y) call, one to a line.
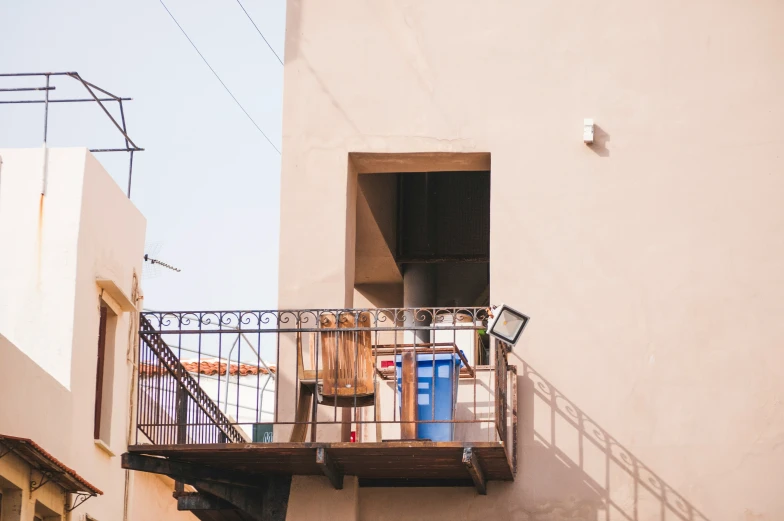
point(208, 182)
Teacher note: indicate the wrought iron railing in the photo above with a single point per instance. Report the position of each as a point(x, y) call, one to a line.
point(171, 406)
point(296, 375)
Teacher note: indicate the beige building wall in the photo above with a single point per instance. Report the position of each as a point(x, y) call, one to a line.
point(19, 501)
point(651, 373)
point(56, 250)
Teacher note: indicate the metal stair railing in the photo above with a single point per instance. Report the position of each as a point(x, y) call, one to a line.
point(186, 388)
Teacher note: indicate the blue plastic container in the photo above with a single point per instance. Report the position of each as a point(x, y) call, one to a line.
point(447, 371)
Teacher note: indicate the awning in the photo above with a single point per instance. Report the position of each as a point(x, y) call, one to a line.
point(44, 462)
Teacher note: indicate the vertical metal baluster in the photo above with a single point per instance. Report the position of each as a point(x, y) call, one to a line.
point(259, 400)
point(173, 408)
point(139, 407)
point(394, 357)
point(198, 352)
point(277, 364)
point(158, 403)
point(299, 346)
point(220, 356)
point(335, 367)
point(356, 336)
point(149, 392)
point(183, 373)
point(476, 359)
point(239, 373)
point(140, 383)
point(456, 386)
point(173, 404)
point(164, 409)
point(498, 347)
point(376, 383)
point(153, 365)
point(314, 416)
point(433, 319)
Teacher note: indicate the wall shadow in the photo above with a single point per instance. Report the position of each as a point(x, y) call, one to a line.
point(569, 455)
point(600, 140)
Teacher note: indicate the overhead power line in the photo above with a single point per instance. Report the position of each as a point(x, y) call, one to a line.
point(219, 78)
point(259, 31)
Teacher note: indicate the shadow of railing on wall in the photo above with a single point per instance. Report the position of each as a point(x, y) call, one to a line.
point(601, 479)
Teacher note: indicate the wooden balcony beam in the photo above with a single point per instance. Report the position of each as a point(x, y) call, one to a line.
point(259, 498)
point(471, 463)
point(328, 467)
point(186, 472)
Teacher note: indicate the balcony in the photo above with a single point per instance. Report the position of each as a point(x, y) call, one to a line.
point(234, 397)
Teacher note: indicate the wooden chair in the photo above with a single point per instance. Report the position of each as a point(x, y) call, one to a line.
point(346, 379)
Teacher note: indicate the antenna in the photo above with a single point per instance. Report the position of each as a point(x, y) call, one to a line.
point(156, 261)
point(151, 267)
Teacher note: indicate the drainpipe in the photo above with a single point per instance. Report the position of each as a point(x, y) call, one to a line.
point(131, 356)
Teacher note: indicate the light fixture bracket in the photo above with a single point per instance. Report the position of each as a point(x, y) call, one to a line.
point(507, 324)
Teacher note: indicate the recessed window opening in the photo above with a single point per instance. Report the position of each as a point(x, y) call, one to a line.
point(104, 378)
point(423, 240)
point(44, 513)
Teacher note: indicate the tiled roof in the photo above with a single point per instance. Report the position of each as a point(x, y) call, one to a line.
point(210, 367)
point(35, 455)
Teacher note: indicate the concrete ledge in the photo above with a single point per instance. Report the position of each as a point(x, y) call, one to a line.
point(116, 293)
point(104, 447)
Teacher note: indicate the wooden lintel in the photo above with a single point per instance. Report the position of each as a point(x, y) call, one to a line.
point(471, 463)
point(329, 469)
point(387, 163)
point(201, 501)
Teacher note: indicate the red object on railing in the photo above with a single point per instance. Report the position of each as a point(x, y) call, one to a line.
point(353, 436)
point(387, 363)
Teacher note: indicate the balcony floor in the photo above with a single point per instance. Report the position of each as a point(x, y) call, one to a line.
point(392, 462)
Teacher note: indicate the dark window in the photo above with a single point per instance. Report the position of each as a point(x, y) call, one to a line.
point(100, 371)
point(444, 216)
point(104, 374)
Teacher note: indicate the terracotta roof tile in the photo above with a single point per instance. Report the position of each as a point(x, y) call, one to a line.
point(210, 367)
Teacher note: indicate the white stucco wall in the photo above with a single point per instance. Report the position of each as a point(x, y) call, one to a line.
point(54, 248)
point(38, 241)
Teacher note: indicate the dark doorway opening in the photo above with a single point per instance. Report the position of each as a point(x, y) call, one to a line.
point(423, 239)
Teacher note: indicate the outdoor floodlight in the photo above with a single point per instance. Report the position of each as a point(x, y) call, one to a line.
point(507, 324)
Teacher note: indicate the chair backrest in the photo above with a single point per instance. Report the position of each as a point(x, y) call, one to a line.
point(347, 356)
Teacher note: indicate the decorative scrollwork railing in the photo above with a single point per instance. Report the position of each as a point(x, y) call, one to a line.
point(309, 320)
